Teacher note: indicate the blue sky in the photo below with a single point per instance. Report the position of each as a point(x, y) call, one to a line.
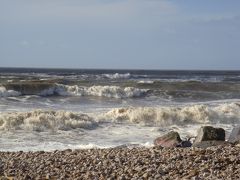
point(132, 34)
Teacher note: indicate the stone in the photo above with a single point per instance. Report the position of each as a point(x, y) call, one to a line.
point(171, 139)
point(27, 177)
point(185, 144)
point(209, 133)
point(206, 144)
point(235, 135)
point(157, 176)
point(145, 175)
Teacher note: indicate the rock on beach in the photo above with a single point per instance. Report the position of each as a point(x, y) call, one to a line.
point(171, 139)
point(209, 133)
point(208, 136)
point(235, 135)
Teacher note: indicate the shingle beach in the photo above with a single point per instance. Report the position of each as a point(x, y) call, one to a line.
point(219, 162)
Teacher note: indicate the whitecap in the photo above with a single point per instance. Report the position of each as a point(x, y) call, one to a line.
point(117, 76)
point(40, 120)
point(99, 91)
point(165, 116)
point(8, 93)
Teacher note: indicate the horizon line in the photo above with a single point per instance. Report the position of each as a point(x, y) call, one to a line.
point(117, 69)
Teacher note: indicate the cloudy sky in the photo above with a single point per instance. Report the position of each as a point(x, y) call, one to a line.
point(132, 34)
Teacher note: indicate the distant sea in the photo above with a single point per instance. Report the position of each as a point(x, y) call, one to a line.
point(49, 109)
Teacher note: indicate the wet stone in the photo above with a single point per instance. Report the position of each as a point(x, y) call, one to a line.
point(171, 139)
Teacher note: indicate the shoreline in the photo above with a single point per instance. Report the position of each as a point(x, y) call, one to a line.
point(217, 162)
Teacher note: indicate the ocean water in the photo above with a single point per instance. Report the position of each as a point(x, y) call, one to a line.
point(49, 109)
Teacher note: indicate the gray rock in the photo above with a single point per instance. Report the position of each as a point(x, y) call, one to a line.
point(209, 133)
point(235, 135)
point(185, 144)
point(206, 144)
point(171, 139)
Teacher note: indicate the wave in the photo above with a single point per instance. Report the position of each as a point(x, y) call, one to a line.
point(43, 120)
point(100, 91)
point(189, 90)
point(194, 86)
point(117, 76)
point(48, 89)
point(8, 93)
point(40, 120)
point(31, 87)
point(164, 116)
point(145, 82)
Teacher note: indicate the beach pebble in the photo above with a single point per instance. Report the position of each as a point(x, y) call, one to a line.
point(215, 162)
point(206, 144)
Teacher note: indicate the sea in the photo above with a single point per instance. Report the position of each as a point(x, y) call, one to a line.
point(57, 109)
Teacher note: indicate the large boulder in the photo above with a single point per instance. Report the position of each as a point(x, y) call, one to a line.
point(171, 139)
point(209, 136)
point(209, 133)
point(235, 135)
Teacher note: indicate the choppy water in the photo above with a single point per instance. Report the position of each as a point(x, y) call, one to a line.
point(51, 109)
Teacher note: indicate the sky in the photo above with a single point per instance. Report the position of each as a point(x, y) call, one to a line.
point(120, 34)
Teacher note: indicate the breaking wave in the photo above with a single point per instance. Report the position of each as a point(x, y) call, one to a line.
point(145, 82)
point(117, 76)
point(75, 90)
point(43, 120)
point(100, 91)
point(174, 91)
point(164, 116)
point(40, 120)
point(8, 93)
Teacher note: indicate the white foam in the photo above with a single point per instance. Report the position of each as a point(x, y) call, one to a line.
point(40, 120)
point(117, 76)
point(165, 116)
point(105, 136)
point(100, 91)
point(145, 82)
point(124, 127)
point(8, 93)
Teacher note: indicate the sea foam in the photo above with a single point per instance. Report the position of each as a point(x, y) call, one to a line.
point(117, 76)
point(164, 116)
point(100, 91)
point(8, 93)
point(40, 120)
point(75, 90)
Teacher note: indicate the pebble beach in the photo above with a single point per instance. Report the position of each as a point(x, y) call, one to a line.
point(218, 162)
